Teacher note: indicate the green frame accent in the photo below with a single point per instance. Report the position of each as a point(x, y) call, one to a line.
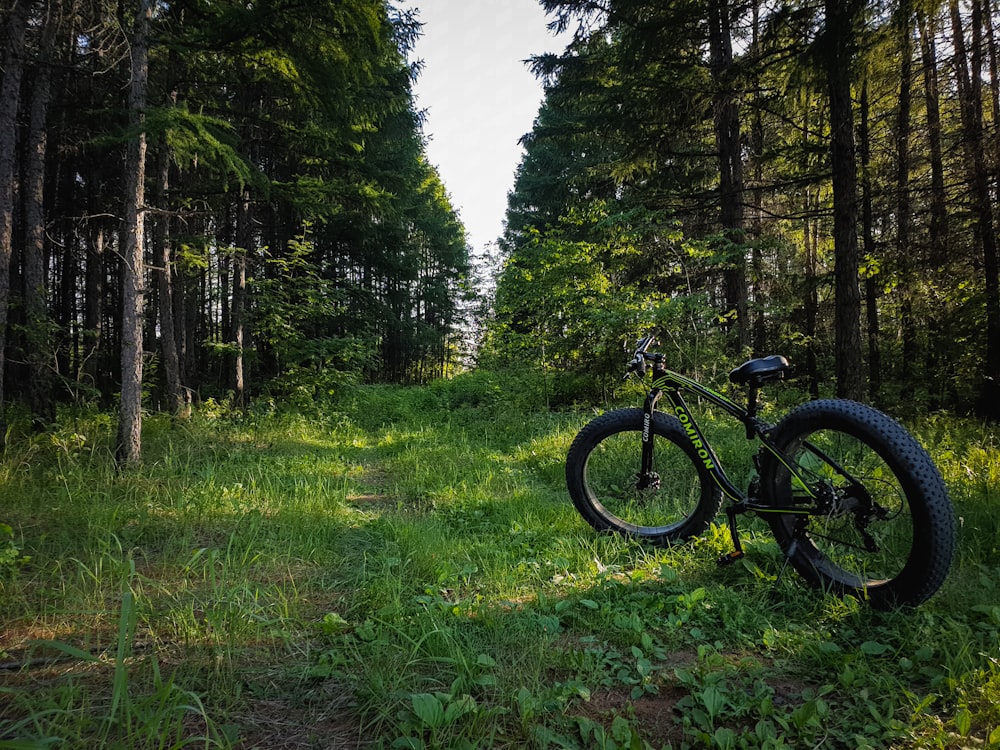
point(671, 384)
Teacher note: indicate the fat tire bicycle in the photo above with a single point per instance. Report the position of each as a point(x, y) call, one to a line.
point(855, 503)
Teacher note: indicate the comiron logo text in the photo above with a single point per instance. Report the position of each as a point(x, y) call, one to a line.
point(695, 440)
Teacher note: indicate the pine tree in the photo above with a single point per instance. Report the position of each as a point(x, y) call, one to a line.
point(10, 91)
point(128, 449)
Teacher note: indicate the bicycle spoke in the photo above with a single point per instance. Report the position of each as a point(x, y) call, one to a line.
point(858, 526)
point(673, 500)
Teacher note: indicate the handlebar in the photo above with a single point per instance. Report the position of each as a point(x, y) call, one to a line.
point(638, 362)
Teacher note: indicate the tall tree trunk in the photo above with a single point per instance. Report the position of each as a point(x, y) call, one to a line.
point(810, 236)
point(971, 104)
point(938, 226)
point(65, 316)
point(188, 350)
point(162, 261)
point(93, 314)
point(932, 102)
point(760, 343)
point(868, 233)
point(244, 238)
point(728, 143)
point(840, 41)
point(10, 92)
point(904, 253)
point(129, 446)
point(64, 312)
point(994, 68)
point(810, 242)
point(38, 340)
point(181, 279)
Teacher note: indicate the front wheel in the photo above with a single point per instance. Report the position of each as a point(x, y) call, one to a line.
point(876, 519)
point(676, 500)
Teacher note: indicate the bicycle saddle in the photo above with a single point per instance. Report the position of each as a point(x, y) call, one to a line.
point(756, 372)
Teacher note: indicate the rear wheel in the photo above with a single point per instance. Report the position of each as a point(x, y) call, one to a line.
point(886, 528)
point(677, 500)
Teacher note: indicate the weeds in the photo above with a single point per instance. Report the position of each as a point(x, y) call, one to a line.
point(10, 554)
point(403, 569)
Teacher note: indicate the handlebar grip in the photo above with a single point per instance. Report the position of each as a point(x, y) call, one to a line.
point(644, 343)
point(638, 363)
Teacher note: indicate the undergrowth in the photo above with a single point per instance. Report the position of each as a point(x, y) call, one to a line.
point(402, 568)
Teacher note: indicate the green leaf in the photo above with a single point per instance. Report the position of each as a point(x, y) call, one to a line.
point(771, 637)
point(408, 743)
point(804, 714)
point(458, 708)
point(874, 648)
point(668, 573)
point(333, 623)
point(622, 731)
point(725, 738)
point(428, 709)
point(67, 649)
point(713, 700)
point(963, 721)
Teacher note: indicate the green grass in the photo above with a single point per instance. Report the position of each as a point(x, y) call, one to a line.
point(404, 569)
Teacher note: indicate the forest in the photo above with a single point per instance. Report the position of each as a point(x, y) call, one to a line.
point(814, 178)
point(216, 199)
point(232, 200)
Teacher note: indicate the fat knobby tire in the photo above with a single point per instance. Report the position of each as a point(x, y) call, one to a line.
point(664, 427)
point(933, 520)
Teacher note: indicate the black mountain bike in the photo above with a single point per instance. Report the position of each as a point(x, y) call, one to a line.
point(854, 501)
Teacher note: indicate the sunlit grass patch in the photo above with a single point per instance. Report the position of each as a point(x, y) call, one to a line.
point(406, 567)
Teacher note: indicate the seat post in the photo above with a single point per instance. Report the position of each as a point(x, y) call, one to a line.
point(751, 410)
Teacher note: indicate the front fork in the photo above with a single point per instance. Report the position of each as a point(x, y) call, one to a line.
point(647, 477)
point(650, 479)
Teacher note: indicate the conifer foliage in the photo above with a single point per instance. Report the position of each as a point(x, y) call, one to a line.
point(749, 176)
point(248, 211)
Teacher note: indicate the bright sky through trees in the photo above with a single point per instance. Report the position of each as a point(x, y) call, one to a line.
point(480, 98)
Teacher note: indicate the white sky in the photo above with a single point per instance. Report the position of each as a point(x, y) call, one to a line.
point(480, 98)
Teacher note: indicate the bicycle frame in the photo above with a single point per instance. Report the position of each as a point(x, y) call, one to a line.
point(670, 384)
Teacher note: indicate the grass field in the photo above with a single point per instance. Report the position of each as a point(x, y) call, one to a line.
point(404, 569)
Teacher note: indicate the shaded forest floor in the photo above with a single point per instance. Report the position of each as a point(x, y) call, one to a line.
point(403, 568)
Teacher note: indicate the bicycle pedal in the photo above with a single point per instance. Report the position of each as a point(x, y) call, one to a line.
point(731, 558)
